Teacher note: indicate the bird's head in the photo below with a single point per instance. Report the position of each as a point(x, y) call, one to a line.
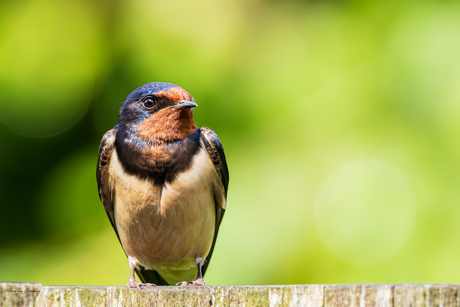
point(159, 111)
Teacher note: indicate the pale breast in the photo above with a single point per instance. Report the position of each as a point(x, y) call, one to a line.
point(166, 227)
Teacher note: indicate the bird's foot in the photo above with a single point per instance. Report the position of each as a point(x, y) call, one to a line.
point(138, 285)
point(197, 282)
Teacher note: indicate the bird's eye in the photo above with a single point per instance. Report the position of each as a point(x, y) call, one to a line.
point(149, 103)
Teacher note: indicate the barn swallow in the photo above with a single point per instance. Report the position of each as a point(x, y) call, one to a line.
point(163, 183)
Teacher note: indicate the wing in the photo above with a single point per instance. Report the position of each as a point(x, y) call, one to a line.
point(106, 193)
point(216, 152)
point(107, 196)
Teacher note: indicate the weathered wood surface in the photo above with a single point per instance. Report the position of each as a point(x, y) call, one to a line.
point(289, 295)
point(18, 294)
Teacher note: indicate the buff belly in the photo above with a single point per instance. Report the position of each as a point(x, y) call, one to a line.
point(166, 227)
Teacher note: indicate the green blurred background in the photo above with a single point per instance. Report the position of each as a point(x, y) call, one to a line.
point(340, 122)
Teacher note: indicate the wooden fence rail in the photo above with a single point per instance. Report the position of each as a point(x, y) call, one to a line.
point(17, 294)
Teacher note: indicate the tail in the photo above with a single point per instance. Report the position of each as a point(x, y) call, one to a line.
point(151, 276)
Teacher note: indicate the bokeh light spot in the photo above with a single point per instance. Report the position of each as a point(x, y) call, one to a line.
point(365, 211)
point(45, 72)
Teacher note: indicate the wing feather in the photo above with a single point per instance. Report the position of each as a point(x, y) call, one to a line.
point(106, 193)
point(216, 152)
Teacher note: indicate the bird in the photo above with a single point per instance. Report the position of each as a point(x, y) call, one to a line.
point(163, 182)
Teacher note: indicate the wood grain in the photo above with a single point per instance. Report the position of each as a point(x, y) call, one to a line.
point(403, 295)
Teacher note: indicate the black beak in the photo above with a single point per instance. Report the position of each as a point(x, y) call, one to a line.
point(185, 104)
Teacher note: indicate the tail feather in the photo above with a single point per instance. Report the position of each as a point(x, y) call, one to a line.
point(151, 276)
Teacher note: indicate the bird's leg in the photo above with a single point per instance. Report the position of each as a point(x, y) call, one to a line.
point(133, 283)
point(199, 278)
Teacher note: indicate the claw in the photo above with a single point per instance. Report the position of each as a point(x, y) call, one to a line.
point(181, 284)
point(133, 283)
point(197, 282)
point(138, 285)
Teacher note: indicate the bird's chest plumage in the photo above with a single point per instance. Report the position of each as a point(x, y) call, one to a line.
point(160, 163)
point(166, 224)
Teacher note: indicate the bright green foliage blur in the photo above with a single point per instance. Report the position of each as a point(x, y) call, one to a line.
point(340, 122)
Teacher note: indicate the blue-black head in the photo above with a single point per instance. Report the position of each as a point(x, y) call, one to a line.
point(153, 97)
